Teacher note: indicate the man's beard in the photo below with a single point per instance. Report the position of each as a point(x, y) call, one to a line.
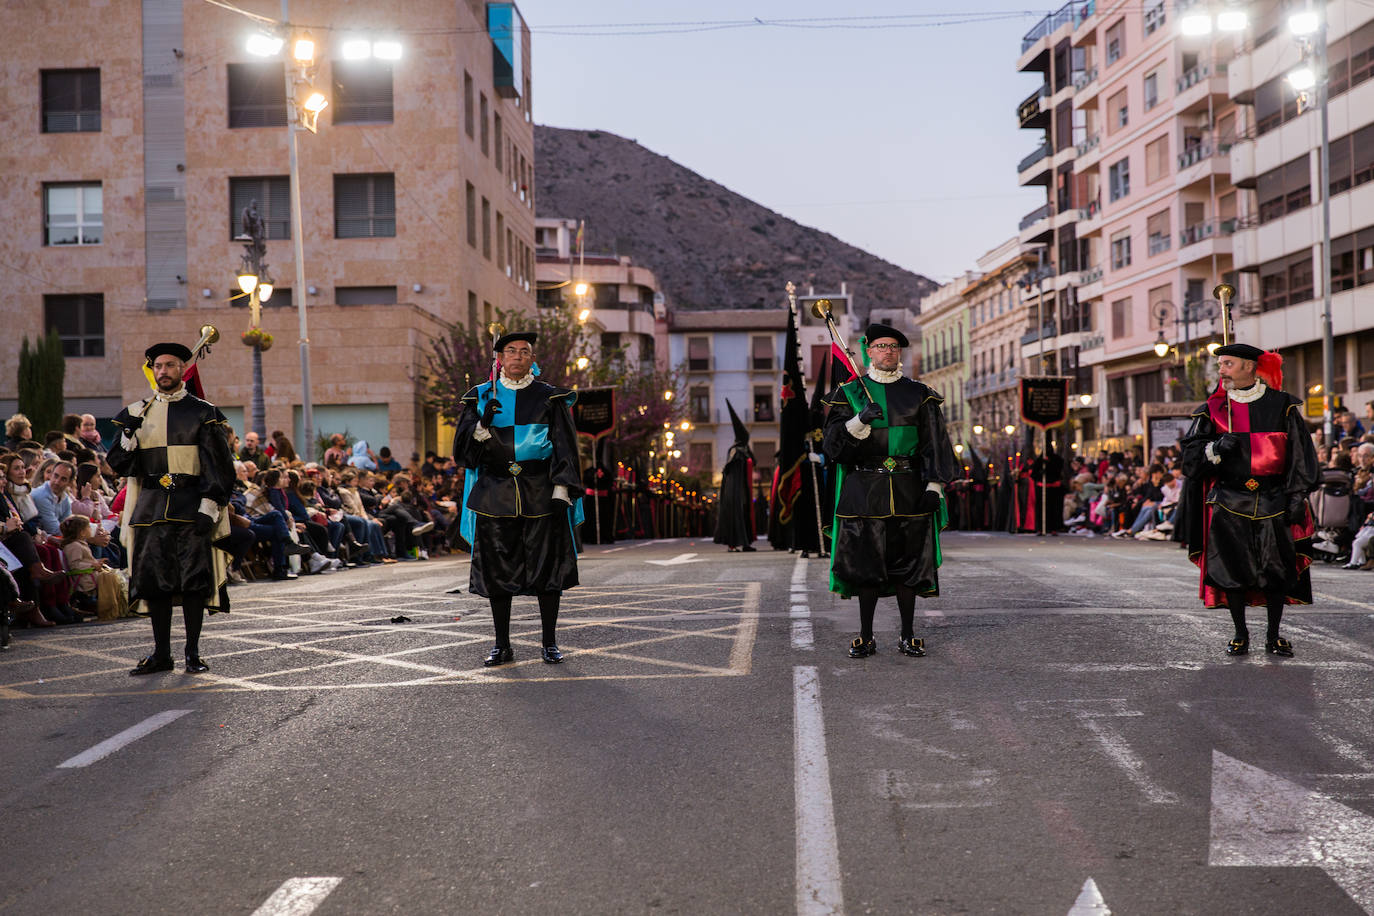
point(168, 384)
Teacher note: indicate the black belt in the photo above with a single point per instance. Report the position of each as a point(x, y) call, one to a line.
point(172, 481)
point(524, 468)
point(890, 465)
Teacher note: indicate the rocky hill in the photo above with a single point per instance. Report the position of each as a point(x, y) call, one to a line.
point(708, 246)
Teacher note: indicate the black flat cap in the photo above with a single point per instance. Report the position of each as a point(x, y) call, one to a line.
point(528, 337)
point(180, 351)
point(881, 330)
point(1240, 351)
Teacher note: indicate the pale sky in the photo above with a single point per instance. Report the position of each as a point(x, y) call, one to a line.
point(895, 135)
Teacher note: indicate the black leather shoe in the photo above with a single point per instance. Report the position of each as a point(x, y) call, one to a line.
point(863, 648)
point(1280, 647)
point(499, 655)
point(913, 647)
point(552, 655)
point(152, 665)
point(1238, 646)
point(196, 665)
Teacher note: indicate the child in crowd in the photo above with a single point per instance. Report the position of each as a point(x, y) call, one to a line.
point(81, 563)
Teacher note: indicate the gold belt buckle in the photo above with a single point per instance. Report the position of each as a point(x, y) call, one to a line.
point(165, 481)
point(514, 468)
point(1252, 484)
point(890, 463)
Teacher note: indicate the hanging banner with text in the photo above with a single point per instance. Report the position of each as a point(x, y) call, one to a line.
point(594, 412)
point(1044, 401)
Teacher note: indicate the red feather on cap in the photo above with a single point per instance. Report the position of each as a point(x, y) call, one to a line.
point(1269, 368)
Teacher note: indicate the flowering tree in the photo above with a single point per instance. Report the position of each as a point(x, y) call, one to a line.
point(566, 356)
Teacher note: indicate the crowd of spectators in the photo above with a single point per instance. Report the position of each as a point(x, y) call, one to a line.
point(61, 561)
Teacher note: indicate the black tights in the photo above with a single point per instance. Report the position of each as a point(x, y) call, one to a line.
point(548, 617)
point(160, 610)
point(1274, 604)
point(906, 606)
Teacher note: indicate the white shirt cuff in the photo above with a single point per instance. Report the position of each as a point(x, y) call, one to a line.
point(937, 487)
point(211, 508)
point(561, 492)
point(1211, 453)
point(128, 442)
point(856, 429)
point(481, 433)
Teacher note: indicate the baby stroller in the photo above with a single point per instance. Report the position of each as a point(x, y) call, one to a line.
point(1331, 504)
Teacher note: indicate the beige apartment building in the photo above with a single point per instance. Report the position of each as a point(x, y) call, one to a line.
point(132, 157)
point(944, 348)
point(997, 317)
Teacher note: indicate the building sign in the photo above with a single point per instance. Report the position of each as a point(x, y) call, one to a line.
point(1044, 401)
point(594, 412)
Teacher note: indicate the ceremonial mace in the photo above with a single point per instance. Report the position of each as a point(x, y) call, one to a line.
point(1224, 293)
point(495, 329)
point(209, 334)
point(815, 483)
point(821, 309)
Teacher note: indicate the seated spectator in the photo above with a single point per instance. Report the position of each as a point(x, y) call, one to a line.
point(252, 452)
point(71, 430)
point(1361, 552)
point(82, 565)
point(282, 449)
point(18, 430)
point(1118, 497)
point(54, 441)
point(90, 435)
point(252, 520)
point(337, 454)
point(1172, 487)
point(386, 463)
point(52, 498)
point(354, 508)
point(362, 457)
point(278, 485)
point(430, 467)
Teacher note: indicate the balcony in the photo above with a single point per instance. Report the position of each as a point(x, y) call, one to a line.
point(1090, 275)
point(1070, 13)
point(1030, 113)
point(1035, 168)
point(1195, 233)
point(1034, 216)
point(1084, 79)
point(1044, 332)
point(1201, 161)
point(1089, 144)
point(1201, 241)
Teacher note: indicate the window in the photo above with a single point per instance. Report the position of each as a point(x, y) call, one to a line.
point(1116, 41)
point(257, 95)
point(484, 127)
point(472, 309)
point(1364, 359)
point(362, 92)
point(699, 401)
point(73, 214)
point(71, 101)
point(1157, 232)
point(486, 228)
point(1151, 90)
point(79, 321)
point(468, 111)
point(472, 214)
point(698, 354)
point(1119, 179)
point(1118, 112)
point(364, 206)
point(501, 241)
point(762, 350)
point(700, 456)
point(1156, 299)
point(273, 196)
point(1284, 190)
point(500, 143)
point(763, 404)
point(1157, 159)
point(610, 343)
point(1121, 250)
point(363, 295)
point(1154, 16)
point(1121, 318)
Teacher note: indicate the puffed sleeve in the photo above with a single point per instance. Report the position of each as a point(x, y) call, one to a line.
point(838, 442)
point(467, 451)
point(939, 464)
point(1193, 445)
point(121, 460)
point(216, 463)
point(1303, 472)
point(565, 470)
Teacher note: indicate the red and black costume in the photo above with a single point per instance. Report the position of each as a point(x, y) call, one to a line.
point(1250, 464)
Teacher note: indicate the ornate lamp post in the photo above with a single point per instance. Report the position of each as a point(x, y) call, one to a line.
point(256, 283)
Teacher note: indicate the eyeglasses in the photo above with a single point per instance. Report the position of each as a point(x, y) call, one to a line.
point(511, 351)
point(883, 347)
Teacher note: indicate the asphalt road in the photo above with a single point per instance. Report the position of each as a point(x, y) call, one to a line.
point(1075, 741)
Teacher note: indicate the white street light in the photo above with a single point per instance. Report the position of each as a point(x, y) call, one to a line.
point(386, 50)
point(1194, 24)
point(248, 282)
point(1232, 21)
point(304, 49)
point(1304, 23)
point(1302, 79)
point(978, 429)
point(265, 290)
point(264, 45)
point(315, 102)
point(356, 49)
point(584, 314)
point(579, 289)
point(582, 362)
point(1161, 349)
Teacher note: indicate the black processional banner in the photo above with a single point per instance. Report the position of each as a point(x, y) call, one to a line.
point(594, 412)
point(1044, 401)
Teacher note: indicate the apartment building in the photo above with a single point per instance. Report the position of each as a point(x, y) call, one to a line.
point(624, 305)
point(132, 156)
point(944, 350)
point(997, 317)
point(1276, 162)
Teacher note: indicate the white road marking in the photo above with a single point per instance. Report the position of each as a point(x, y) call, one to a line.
point(803, 635)
point(678, 560)
point(297, 897)
point(1262, 819)
point(128, 736)
point(1120, 753)
point(1089, 902)
point(819, 890)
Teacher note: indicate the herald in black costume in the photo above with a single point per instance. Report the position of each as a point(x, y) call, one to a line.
point(174, 454)
point(1250, 464)
point(894, 459)
point(522, 494)
point(735, 515)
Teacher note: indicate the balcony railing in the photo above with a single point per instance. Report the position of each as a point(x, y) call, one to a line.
point(990, 382)
point(1044, 332)
point(1200, 151)
point(1030, 108)
point(1084, 80)
point(1089, 144)
point(1198, 74)
point(1071, 12)
point(1197, 232)
point(1091, 275)
point(1034, 157)
point(1033, 217)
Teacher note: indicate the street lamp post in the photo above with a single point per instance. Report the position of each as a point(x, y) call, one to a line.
point(256, 283)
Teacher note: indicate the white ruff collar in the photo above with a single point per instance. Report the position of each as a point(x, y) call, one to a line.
point(1246, 395)
point(174, 396)
point(884, 377)
point(514, 385)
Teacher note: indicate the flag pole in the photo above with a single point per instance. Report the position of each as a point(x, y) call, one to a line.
point(815, 483)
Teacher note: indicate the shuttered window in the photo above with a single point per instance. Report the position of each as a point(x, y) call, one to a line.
point(273, 194)
point(698, 354)
point(364, 206)
point(1121, 318)
point(1157, 159)
point(365, 295)
point(71, 101)
point(362, 92)
point(472, 214)
point(257, 95)
point(79, 320)
point(1157, 232)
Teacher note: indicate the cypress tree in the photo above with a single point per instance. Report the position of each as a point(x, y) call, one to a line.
point(42, 372)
